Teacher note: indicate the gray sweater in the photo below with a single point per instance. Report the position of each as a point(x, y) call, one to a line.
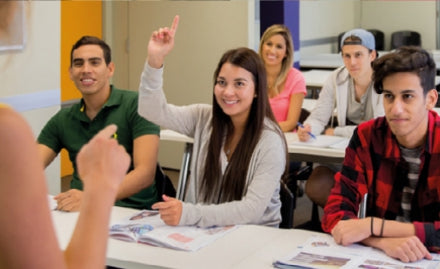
point(260, 204)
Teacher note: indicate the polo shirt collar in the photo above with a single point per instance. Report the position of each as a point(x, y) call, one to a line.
point(114, 100)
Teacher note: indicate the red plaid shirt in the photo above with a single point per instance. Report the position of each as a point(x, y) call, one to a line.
point(373, 164)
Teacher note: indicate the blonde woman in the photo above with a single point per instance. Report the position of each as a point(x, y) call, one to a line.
point(286, 85)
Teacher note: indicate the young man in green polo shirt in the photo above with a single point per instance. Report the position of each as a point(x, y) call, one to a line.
point(102, 104)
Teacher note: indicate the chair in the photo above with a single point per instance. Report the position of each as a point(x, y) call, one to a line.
point(287, 206)
point(163, 184)
point(339, 41)
point(379, 37)
point(405, 38)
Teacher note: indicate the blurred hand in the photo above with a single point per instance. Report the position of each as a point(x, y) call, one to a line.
point(69, 200)
point(161, 43)
point(102, 162)
point(170, 210)
point(329, 131)
point(303, 133)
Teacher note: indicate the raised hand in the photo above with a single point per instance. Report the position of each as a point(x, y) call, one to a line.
point(161, 43)
point(69, 200)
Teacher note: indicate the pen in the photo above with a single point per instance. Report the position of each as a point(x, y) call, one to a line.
point(310, 133)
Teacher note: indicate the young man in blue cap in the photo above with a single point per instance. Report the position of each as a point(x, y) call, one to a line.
point(350, 90)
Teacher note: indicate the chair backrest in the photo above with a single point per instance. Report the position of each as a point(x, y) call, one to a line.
point(405, 38)
point(339, 41)
point(379, 38)
point(287, 206)
point(163, 184)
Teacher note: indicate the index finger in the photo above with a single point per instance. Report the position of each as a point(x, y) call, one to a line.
point(175, 24)
point(159, 205)
point(108, 131)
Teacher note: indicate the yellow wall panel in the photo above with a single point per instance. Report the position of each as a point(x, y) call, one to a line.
point(78, 18)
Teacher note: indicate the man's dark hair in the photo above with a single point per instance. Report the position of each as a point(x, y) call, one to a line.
point(93, 40)
point(405, 59)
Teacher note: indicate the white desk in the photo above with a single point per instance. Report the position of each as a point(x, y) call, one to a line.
point(296, 153)
point(309, 104)
point(321, 61)
point(248, 246)
point(315, 78)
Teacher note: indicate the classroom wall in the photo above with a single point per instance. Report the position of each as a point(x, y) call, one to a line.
point(206, 30)
point(321, 21)
point(30, 77)
point(390, 16)
point(33, 79)
point(78, 18)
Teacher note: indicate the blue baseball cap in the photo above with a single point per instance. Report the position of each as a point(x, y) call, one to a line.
point(366, 38)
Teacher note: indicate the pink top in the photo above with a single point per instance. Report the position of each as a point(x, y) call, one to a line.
point(295, 83)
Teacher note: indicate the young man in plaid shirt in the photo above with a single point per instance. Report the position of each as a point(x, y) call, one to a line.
point(396, 160)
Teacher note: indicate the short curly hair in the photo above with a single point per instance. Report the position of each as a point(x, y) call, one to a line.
point(405, 59)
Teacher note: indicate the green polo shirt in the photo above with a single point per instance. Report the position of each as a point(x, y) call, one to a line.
point(70, 128)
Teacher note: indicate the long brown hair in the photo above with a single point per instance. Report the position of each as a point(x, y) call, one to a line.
point(232, 185)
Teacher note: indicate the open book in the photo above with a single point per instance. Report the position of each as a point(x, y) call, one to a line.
point(146, 227)
point(323, 252)
point(323, 141)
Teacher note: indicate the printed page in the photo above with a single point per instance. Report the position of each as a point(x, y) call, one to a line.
point(52, 203)
point(323, 252)
point(147, 227)
point(323, 141)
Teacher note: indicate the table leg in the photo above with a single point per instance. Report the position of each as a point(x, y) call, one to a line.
point(184, 171)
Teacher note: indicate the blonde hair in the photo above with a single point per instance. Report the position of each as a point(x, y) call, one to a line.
point(287, 63)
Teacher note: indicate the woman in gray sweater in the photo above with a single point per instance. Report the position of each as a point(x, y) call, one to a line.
point(239, 152)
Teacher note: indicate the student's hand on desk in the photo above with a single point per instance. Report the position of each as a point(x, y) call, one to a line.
point(406, 249)
point(69, 200)
point(303, 133)
point(161, 43)
point(329, 131)
point(350, 231)
point(170, 210)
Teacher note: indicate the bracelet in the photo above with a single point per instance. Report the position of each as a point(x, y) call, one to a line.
point(371, 227)
point(381, 228)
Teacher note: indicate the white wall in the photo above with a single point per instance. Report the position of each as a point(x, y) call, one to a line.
point(206, 30)
point(30, 79)
point(324, 19)
point(390, 16)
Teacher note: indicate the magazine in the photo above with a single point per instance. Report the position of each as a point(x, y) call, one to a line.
point(323, 252)
point(146, 227)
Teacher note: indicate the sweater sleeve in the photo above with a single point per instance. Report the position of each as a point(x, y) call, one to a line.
point(320, 115)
